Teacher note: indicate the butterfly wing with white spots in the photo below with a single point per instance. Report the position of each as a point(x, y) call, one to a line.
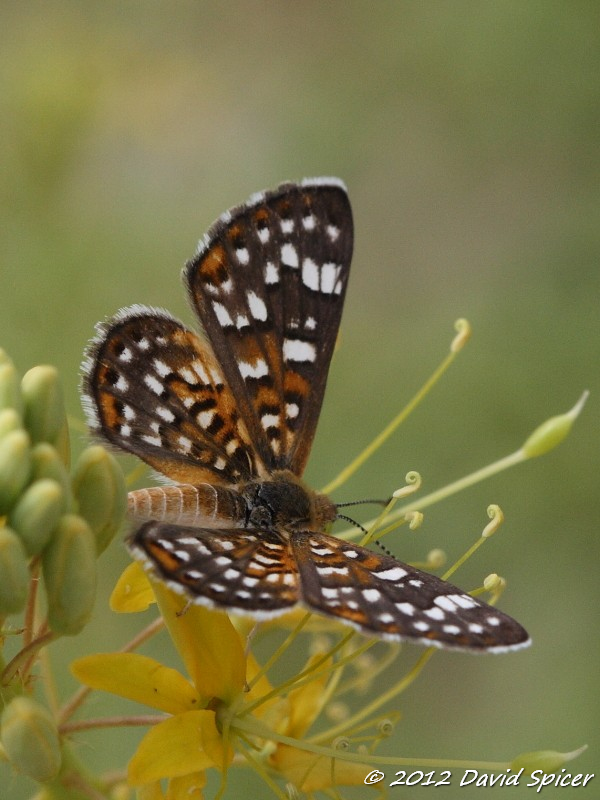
point(382, 596)
point(268, 283)
point(267, 573)
point(153, 389)
point(239, 570)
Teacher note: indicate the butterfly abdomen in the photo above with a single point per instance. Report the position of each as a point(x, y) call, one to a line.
point(184, 504)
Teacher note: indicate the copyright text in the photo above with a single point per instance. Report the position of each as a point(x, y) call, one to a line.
point(537, 781)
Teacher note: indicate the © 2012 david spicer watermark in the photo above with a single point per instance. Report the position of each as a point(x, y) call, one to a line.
point(537, 780)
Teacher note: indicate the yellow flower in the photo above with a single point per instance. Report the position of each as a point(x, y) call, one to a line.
point(187, 741)
point(226, 704)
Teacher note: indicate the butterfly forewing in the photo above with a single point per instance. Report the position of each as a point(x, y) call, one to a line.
point(153, 389)
point(265, 574)
point(237, 569)
point(382, 596)
point(268, 283)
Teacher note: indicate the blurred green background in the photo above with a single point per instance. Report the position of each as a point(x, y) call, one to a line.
point(467, 134)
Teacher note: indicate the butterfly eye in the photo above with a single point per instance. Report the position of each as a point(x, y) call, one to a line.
point(260, 517)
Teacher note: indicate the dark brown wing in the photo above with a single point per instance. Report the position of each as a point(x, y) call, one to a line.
point(382, 596)
point(268, 283)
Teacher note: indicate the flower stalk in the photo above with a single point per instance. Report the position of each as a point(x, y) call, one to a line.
point(463, 329)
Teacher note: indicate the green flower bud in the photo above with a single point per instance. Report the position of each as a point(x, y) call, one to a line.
point(15, 467)
point(99, 489)
point(545, 760)
point(69, 566)
point(36, 514)
point(551, 432)
point(436, 558)
point(14, 573)
point(9, 421)
point(45, 416)
point(46, 463)
point(62, 443)
point(10, 392)
point(30, 738)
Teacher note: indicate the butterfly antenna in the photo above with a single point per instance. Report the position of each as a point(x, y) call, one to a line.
point(364, 530)
point(382, 547)
point(362, 502)
point(351, 521)
point(357, 503)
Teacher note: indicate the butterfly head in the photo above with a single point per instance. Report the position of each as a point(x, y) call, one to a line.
point(285, 502)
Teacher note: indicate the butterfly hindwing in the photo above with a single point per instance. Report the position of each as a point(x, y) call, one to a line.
point(152, 388)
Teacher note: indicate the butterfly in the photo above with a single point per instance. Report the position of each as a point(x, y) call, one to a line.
point(230, 422)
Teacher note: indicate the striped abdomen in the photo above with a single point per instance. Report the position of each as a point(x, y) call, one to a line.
point(184, 504)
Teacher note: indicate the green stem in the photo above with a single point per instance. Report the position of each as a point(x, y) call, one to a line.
point(280, 651)
point(24, 656)
point(385, 434)
point(465, 557)
point(145, 720)
point(259, 768)
point(366, 711)
point(295, 681)
point(29, 621)
point(256, 729)
point(321, 668)
point(457, 486)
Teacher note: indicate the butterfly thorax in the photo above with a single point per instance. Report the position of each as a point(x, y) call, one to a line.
point(281, 503)
point(286, 503)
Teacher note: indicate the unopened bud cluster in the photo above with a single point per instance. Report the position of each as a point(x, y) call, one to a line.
point(51, 519)
point(66, 520)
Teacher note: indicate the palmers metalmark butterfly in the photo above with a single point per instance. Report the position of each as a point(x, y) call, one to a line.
point(231, 421)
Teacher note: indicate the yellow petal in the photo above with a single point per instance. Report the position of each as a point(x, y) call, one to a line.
point(316, 623)
point(208, 643)
point(138, 678)
point(309, 772)
point(151, 791)
point(262, 685)
point(306, 701)
point(187, 786)
point(181, 745)
point(274, 712)
point(133, 591)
